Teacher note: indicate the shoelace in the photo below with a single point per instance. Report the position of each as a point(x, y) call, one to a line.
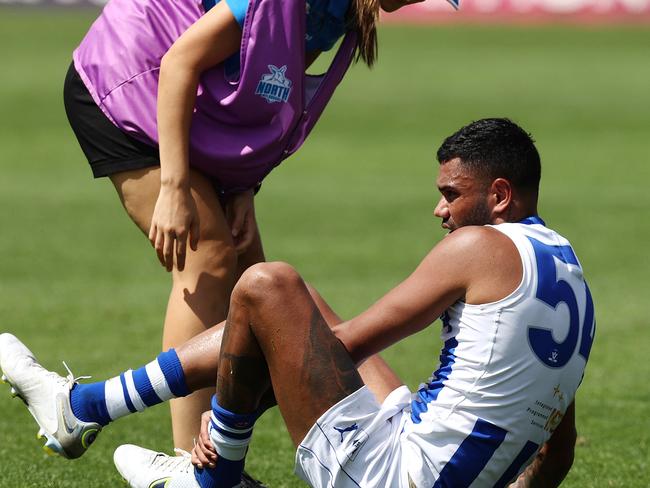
point(70, 379)
point(180, 464)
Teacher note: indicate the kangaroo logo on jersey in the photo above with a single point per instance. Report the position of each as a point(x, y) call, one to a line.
point(274, 86)
point(351, 428)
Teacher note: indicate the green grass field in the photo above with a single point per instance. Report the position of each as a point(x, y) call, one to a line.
point(352, 211)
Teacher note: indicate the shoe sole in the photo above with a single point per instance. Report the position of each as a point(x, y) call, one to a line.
point(52, 446)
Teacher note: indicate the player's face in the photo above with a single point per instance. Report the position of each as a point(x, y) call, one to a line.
point(464, 199)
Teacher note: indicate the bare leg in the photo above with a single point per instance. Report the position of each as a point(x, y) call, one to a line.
point(200, 354)
point(199, 295)
point(200, 357)
point(375, 372)
point(186, 412)
point(275, 335)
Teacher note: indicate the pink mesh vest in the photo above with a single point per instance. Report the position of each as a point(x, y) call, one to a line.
point(241, 128)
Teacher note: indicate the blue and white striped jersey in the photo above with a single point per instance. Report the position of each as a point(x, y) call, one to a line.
point(509, 370)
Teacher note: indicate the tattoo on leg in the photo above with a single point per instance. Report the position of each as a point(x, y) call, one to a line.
point(243, 376)
point(326, 372)
point(242, 382)
point(326, 363)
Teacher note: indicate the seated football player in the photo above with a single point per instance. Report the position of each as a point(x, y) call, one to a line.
point(517, 328)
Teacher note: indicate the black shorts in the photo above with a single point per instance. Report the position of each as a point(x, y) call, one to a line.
point(108, 149)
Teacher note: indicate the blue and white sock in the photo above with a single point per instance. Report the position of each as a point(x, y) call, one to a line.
point(131, 391)
point(230, 434)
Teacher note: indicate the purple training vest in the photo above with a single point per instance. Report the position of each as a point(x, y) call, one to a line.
point(241, 128)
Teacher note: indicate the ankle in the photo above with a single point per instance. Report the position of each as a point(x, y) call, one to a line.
point(230, 434)
point(88, 403)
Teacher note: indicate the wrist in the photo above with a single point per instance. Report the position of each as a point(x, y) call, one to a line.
point(174, 182)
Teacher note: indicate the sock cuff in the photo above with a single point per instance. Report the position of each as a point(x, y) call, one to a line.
point(172, 369)
point(230, 419)
point(227, 447)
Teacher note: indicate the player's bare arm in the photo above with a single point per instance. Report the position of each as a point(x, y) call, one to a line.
point(555, 458)
point(208, 42)
point(474, 264)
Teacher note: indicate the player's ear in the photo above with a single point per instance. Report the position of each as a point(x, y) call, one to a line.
point(501, 193)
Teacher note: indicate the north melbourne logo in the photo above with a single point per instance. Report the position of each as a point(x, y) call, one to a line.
point(274, 86)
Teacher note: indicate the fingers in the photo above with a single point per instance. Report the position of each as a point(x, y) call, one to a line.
point(202, 458)
point(246, 235)
point(168, 250)
point(240, 214)
point(157, 241)
point(204, 435)
point(204, 453)
point(181, 245)
point(237, 223)
point(175, 219)
point(163, 243)
point(181, 250)
point(194, 234)
point(166, 242)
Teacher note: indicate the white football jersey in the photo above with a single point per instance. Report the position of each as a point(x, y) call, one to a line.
point(508, 371)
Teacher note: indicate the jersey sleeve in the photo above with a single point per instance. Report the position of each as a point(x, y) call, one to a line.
point(238, 9)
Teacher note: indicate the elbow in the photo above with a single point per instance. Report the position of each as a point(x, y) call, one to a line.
point(169, 62)
point(342, 333)
point(175, 62)
point(175, 70)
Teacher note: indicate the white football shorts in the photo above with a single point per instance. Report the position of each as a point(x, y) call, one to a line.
point(356, 443)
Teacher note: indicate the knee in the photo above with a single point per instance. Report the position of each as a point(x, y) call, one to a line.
point(267, 281)
point(211, 267)
point(215, 257)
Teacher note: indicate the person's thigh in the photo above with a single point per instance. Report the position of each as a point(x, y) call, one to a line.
point(276, 336)
point(138, 190)
point(276, 333)
point(377, 375)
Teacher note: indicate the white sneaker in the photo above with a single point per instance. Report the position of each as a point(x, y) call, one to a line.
point(47, 396)
point(143, 468)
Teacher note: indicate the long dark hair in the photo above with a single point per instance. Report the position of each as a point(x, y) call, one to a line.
point(364, 18)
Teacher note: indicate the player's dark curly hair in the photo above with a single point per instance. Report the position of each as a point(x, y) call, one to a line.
point(496, 148)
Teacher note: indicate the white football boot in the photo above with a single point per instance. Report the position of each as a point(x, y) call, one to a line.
point(143, 468)
point(47, 397)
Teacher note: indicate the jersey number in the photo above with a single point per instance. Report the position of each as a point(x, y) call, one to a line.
point(553, 291)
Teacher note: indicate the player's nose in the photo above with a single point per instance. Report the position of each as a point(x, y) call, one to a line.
point(442, 209)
